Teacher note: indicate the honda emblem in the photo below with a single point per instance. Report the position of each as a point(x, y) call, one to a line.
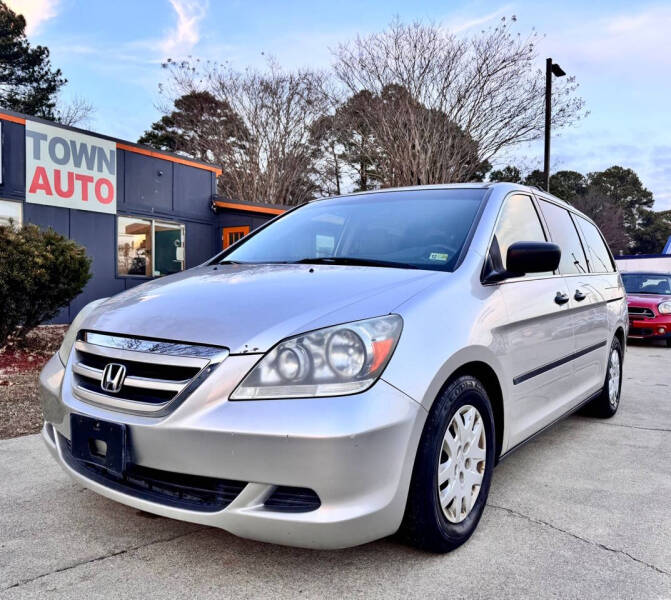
point(113, 378)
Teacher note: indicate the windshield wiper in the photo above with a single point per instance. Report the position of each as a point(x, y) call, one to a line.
point(351, 260)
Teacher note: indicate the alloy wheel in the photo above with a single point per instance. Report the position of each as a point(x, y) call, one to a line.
point(461, 465)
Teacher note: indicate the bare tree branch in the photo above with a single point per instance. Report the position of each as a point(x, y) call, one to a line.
point(278, 110)
point(486, 87)
point(76, 112)
point(411, 105)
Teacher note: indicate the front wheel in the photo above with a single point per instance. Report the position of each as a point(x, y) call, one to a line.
point(606, 405)
point(453, 468)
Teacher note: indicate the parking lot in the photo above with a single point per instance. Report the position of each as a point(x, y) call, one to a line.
point(582, 511)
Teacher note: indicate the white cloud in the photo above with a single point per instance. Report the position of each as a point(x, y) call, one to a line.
point(36, 12)
point(135, 56)
point(460, 24)
point(187, 32)
point(626, 42)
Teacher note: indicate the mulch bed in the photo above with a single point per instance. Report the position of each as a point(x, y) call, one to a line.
point(20, 364)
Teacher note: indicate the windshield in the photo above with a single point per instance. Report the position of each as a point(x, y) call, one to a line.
point(423, 229)
point(647, 283)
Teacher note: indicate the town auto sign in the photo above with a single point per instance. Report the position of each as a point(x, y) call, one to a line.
point(69, 169)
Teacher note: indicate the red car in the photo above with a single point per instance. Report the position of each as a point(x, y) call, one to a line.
point(649, 300)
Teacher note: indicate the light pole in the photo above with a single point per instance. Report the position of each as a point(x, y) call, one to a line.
point(550, 70)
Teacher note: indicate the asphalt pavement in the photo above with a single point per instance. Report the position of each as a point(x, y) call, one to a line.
point(582, 511)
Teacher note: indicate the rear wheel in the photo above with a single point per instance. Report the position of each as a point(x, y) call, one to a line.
point(606, 405)
point(453, 468)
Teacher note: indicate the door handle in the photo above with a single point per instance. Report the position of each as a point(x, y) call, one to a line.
point(561, 298)
point(579, 296)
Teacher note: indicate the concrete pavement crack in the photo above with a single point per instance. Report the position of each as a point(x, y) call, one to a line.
point(577, 537)
point(632, 426)
point(99, 558)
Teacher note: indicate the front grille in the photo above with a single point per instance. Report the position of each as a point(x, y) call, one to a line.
point(191, 492)
point(293, 499)
point(640, 311)
point(159, 374)
point(640, 331)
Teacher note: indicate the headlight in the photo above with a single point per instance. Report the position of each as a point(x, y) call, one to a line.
point(73, 330)
point(344, 359)
point(664, 308)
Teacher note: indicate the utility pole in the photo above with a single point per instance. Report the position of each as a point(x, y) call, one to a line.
point(550, 70)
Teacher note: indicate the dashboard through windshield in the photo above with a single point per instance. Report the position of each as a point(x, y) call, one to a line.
point(423, 229)
point(647, 283)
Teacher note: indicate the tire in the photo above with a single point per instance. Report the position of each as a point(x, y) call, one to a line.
point(426, 524)
point(605, 406)
point(668, 342)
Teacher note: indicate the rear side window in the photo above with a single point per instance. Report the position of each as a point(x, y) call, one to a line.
point(598, 255)
point(518, 222)
point(564, 233)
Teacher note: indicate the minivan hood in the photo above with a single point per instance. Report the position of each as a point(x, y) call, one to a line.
point(249, 308)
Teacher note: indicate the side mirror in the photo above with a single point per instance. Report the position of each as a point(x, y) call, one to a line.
point(528, 257)
point(533, 257)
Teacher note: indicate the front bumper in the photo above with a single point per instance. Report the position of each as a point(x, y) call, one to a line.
point(657, 328)
point(356, 452)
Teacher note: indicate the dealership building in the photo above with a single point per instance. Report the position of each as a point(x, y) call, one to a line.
point(140, 213)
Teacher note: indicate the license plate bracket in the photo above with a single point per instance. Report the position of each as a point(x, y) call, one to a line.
point(100, 443)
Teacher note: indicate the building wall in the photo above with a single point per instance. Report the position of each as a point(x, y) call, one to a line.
point(658, 263)
point(13, 184)
point(232, 218)
point(147, 186)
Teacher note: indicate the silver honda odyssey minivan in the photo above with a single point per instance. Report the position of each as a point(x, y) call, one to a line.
point(352, 369)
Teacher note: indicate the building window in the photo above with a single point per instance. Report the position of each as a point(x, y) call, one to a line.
point(149, 248)
point(10, 211)
point(230, 235)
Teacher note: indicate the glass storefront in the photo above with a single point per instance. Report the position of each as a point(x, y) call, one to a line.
point(148, 247)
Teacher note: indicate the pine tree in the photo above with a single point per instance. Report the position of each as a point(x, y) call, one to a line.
point(28, 82)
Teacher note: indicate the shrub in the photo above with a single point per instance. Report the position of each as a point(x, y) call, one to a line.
point(40, 272)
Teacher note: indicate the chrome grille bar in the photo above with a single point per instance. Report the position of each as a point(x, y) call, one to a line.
point(122, 342)
point(159, 374)
point(134, 356)
point(146, 383)
point(131, 406)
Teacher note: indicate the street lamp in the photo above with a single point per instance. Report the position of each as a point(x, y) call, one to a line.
point(550, 70)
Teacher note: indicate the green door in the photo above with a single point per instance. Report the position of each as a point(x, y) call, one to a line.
point(167, 241)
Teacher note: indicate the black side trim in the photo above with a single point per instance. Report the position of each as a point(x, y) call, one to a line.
point(557, 363)
point(567, 414)
point(615, 299)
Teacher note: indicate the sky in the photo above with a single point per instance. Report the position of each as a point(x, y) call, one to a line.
point(619, 52)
